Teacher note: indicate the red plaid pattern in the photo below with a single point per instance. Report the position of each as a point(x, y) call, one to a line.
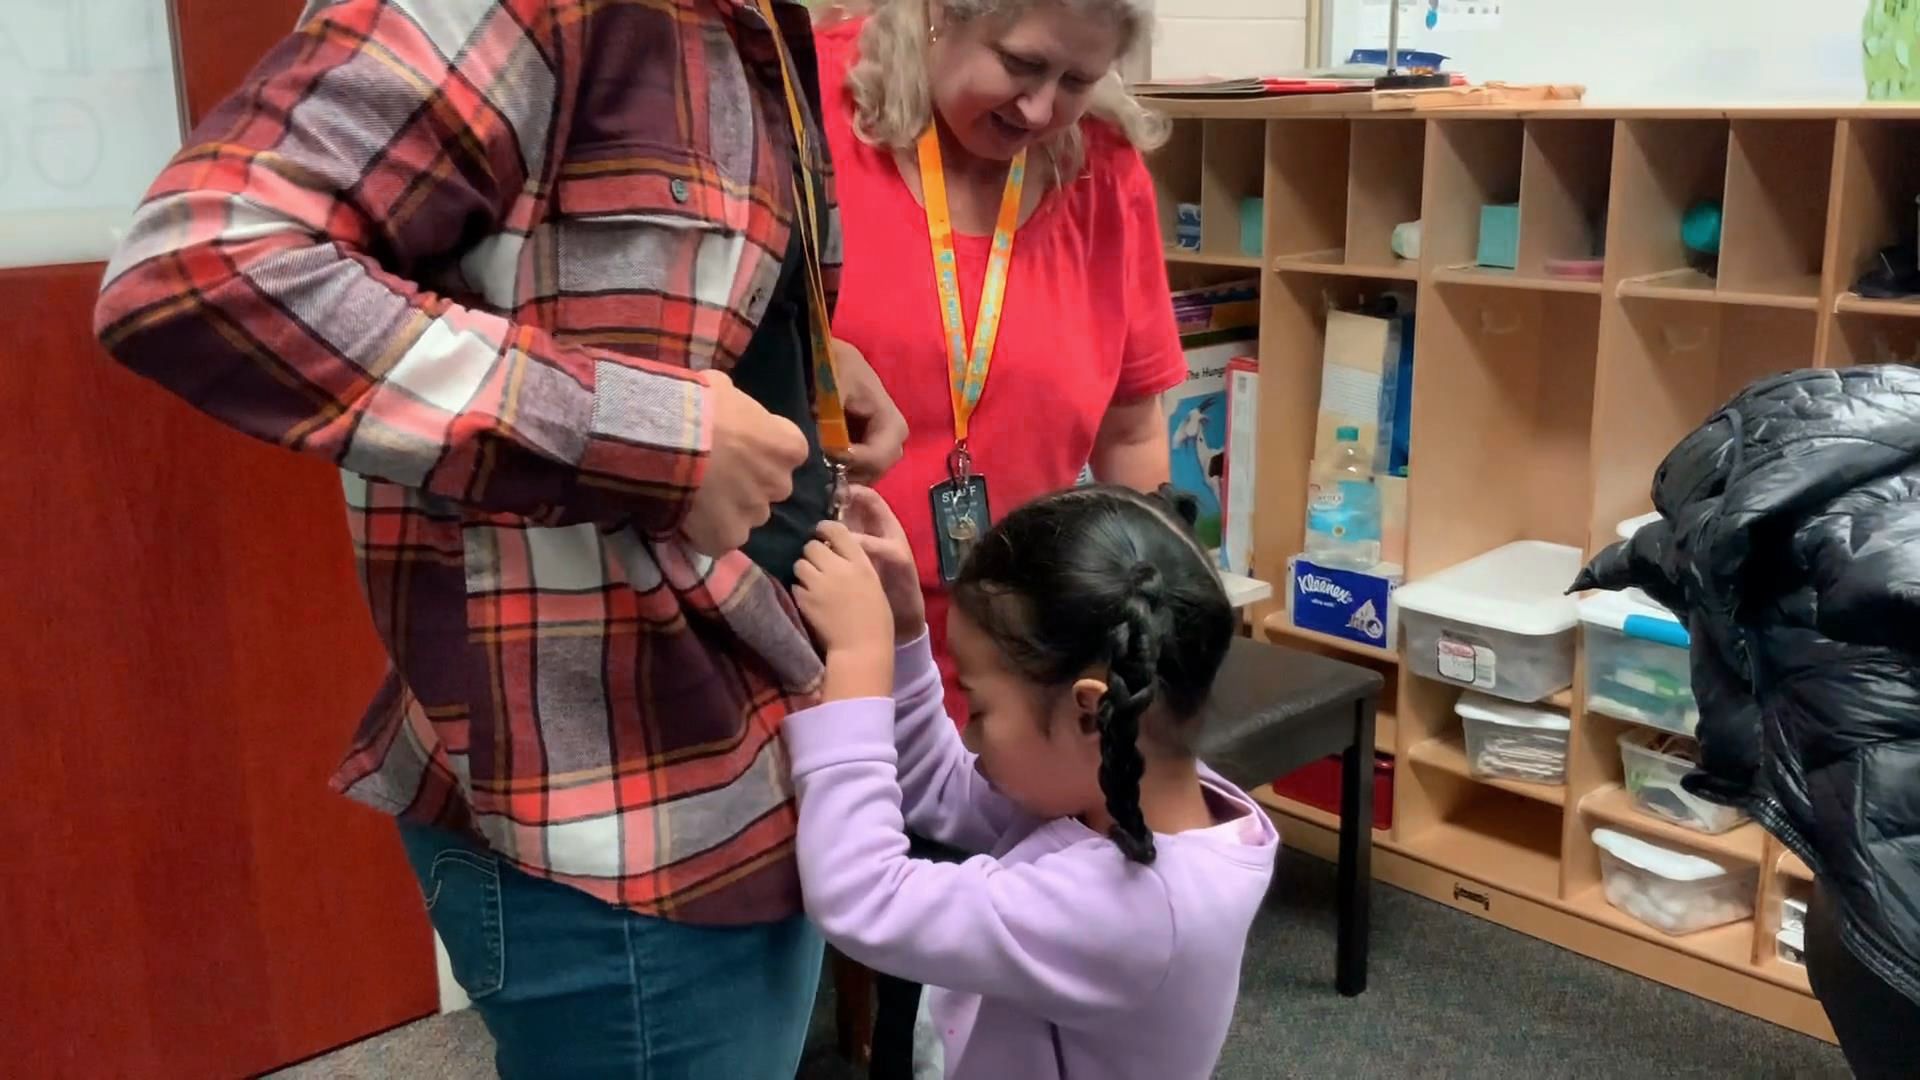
point(471, 251)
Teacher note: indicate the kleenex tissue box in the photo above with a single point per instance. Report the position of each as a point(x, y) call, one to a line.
point(1356, 605)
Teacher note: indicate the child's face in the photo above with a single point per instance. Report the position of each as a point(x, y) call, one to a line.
point(1040, 749)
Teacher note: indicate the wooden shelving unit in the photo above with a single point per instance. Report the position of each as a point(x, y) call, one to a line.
point(1541, 408)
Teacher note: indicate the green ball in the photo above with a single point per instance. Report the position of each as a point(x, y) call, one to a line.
point(1700, 228)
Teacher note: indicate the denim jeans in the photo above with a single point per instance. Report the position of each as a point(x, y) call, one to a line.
point(571, 987)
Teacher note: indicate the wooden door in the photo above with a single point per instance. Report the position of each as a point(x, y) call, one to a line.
point(183, 656)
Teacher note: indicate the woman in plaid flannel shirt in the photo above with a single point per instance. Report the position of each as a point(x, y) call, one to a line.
point(525, 271)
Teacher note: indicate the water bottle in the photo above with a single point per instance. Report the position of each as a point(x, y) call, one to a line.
point(1343, 507)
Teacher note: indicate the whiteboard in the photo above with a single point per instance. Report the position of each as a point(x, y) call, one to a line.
point(1637, 52)
point(89, 114)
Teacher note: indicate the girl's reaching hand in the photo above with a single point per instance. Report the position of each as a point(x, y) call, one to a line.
point(839, 593)
point(879, 533)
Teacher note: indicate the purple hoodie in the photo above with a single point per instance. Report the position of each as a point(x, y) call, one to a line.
point(1054, 955)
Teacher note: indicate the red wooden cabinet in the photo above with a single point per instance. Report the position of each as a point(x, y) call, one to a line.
point(183, 656)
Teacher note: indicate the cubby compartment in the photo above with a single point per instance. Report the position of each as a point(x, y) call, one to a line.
point(1661, 169)
point(1877, 185)
point(1670, 365)
point(1608, 802)
point(1306, 189)
point(1778, 177)
point(1176, 169)
point(1293, 310)
point(1385, 166)
point(1471, 165)
point(1451, 752)
point(1232, 182)
point(1563, 193)
point(1873, 337)
point(1503, 391)
point(1510, 841)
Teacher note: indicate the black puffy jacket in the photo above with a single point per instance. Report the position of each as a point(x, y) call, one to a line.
point(1790, 545)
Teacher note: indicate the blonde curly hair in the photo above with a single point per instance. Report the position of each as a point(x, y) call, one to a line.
point(893, 103)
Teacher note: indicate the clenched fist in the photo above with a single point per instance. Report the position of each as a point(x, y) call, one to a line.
point(749, 469)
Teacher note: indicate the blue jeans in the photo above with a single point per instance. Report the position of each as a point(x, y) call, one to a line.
point(573, 987)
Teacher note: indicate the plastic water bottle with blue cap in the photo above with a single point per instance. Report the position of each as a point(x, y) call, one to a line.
point(1343, 507)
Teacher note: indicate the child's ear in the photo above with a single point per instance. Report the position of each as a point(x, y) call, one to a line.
point(1087, 695)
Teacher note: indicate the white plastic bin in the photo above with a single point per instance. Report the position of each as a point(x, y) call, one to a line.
point(1791, 943)
point(1499, 622)
point(1637, 663)
point(1793, 913)
point(1670, 890)
point(1625, 530)
point(1509, 741)
point(1654, 764)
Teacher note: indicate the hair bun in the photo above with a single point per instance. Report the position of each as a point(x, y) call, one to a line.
point(1184, 504)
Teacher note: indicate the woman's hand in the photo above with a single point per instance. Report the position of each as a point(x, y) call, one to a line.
point(841, 597)
point(878, 427)
point(885, 542)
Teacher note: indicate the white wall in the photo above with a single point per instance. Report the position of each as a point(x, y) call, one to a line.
point(1651, 52)
point(1229, 37)
point(88, 115)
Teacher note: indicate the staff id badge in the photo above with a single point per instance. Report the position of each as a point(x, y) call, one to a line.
point(960, 518)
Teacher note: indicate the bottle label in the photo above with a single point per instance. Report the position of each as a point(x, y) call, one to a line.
point(1348, 510)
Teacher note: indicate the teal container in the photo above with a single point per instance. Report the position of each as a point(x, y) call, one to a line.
point(1499, 236)
point(1253, 225)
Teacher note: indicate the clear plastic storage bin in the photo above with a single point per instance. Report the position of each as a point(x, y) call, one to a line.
point(1669, 890)
point(1791, 945)
point(1637, 663)
point(1654, 764)
point(1499, 622)
point(1509, 741)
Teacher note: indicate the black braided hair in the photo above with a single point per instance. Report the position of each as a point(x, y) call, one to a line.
point(1100, 578)
point(1133, 665)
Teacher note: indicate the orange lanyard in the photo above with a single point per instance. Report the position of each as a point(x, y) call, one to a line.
point(829, 414)
point(967, 366)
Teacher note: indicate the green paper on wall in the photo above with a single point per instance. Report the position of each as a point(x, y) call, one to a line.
point(1890, 47)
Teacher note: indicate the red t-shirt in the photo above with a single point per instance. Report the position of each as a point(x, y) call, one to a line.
point(1087, 321)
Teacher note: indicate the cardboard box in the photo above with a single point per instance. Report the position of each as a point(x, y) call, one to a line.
point(1366, 381)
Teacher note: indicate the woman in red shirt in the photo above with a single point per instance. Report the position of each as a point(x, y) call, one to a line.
point(1009, 112)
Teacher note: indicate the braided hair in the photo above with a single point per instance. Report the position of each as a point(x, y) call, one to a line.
point(1107, 578)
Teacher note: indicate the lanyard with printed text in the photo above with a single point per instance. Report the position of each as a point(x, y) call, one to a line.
point(961, 513)
point(967, 365)
point(830, 416)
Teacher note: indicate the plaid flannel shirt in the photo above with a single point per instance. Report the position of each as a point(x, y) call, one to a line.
point(472, 252)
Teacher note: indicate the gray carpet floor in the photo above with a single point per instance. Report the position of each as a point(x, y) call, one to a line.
point(1448, 995)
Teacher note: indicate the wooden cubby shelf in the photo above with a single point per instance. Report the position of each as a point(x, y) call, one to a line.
point(1448, 754)
point(1855, 304)
point(1792, 867)
point(1613, 807)
point(1201, 258)
point(1280, 624)
point(1494, 277)
point(1334, 263)
point(1542, 406)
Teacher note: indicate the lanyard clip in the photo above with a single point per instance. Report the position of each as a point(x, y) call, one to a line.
point(836, 489)
point(959, 461)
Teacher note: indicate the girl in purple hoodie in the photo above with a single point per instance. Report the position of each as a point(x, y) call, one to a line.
point(1098, 932)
